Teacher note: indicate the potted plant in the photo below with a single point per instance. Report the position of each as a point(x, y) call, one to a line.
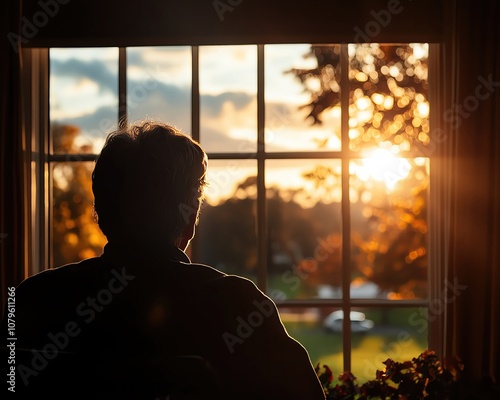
point(424, 377)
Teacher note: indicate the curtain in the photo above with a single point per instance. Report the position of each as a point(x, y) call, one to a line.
point(12, 195)
point(472, 118)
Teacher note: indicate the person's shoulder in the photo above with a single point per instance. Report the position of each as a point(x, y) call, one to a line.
point(59, 276)
point(236, 281)
point(204, 270)
point(215, 277)
point(237, 288)
point(193, 274)
point(217, 281)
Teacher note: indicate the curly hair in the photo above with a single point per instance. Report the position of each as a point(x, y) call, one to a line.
point(148, 183)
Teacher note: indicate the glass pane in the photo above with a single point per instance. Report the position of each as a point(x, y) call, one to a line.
point(389, 226)
point(159, 85)
point(75, 234)
point(388, 96)
point(83, 98)
point(307, 326)
point(226, 235)
point(304, 228)
point(228, 98)
point(296, 76)
point(396, 333)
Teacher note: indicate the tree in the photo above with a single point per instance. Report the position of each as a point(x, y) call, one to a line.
point(387, 91)
point(75, 233)
point(388, 108)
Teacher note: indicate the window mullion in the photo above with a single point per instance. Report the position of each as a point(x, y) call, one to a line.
point(261, 184)
point(437, 256)
point(194, 248)
point(122, 87)
point(36, 131)
point(346, 212)
point(195, 93)
point(39, 131)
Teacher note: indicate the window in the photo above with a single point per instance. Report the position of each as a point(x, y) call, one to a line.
point(319, 176)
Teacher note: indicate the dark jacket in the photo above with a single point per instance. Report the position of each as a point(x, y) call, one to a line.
point(146, 324)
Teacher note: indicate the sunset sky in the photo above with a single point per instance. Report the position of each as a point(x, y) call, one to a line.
point(84, 92)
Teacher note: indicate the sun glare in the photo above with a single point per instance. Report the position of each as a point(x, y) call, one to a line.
point(383, 166)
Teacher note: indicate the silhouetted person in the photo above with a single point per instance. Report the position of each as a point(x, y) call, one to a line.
point(141, 321)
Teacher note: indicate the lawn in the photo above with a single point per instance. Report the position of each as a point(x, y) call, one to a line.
point(386, 340)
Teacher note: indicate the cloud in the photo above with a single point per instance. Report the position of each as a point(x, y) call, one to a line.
point(212, 104)
point(135, 58)
point(168, 103)
point(213, 140)
point(94, 70)
point(227, 119)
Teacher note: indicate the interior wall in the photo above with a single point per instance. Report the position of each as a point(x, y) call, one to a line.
point(166, 22)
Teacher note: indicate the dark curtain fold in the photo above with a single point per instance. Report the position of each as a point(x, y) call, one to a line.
point(12, 196)
point(473, 117)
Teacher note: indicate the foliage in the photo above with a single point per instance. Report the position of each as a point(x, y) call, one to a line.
point(388, 90)
point(388, 109)
point(75, 233)
point(424, 377)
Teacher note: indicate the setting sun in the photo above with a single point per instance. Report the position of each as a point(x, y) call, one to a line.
point(383, 166)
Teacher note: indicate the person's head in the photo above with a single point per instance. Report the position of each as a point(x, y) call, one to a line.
point(148, 185)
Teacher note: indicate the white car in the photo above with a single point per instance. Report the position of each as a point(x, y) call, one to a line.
point(359, 323)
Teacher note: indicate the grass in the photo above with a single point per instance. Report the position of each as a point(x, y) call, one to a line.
point(369, 349)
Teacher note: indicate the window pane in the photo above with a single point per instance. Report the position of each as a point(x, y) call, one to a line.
point(159, 85)
point(292, 75)
point(228, 98)
point(75, 234)
point(388, 96)
point(397, 333)
point(226, 236)
point(304, 228)
point(389, 226)
point(83, 98)
point(306, 325)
